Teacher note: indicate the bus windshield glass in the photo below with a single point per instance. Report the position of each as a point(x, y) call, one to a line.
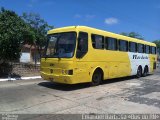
point(61, 45)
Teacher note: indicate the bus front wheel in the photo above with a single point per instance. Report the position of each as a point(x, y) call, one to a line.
point(96, 78)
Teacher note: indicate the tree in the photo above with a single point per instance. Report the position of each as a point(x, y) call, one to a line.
point(133, 35)
point(157, 42)
point(39, 28)
point(12, 32)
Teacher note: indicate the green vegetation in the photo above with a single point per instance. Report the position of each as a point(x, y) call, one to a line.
point(133, 35)
point(30, 28)
point(136, 35)
point(12, 29)
point(39, 28)
point(157, 42)
point(16, 31)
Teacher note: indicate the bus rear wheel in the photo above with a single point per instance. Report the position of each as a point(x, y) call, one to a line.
point(139, 72)
point(96, 78)
point(145, 71)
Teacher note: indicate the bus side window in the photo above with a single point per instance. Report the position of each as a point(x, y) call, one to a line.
point(111, 43)
point(150, 49)
point(144, 50)
point(147, 49)
point(123, 45)
point(140, 48)
point(97, 41)
point(82, 47)
point(132, 47)
point(153, 50)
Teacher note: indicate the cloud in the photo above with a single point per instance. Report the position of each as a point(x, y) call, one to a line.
point(111, 21)
point(86, 17)
point(49, 2)
point(30, 5)
point(77, 16)
point(90, 16)
point(33, 3)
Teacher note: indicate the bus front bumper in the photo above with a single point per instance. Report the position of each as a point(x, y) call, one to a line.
point(65, 79)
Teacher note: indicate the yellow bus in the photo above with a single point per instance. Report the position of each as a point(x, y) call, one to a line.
point(79, 54)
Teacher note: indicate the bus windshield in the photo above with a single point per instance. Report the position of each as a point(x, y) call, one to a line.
point(61, 45)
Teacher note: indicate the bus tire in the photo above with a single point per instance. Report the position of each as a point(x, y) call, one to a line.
point(139, 72)
point(145, 71)
point(96, 78)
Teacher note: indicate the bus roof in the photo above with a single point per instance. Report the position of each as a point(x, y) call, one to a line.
point(100, 32)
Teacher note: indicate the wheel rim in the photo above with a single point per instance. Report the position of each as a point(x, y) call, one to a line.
point(96, 78)
point(145, 71)
point(139, 73)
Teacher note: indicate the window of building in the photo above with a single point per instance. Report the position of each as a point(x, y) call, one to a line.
point(123, 45)
point(97, 41)
point(111, 43)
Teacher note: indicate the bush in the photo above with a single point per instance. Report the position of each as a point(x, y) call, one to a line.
point(5, 69)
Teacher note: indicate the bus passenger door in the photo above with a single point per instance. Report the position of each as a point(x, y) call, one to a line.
point(81, 70)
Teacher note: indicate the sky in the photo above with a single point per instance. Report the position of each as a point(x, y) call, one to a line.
point(141, 16)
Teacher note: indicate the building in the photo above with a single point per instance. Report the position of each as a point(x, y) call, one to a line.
point(30, 54)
